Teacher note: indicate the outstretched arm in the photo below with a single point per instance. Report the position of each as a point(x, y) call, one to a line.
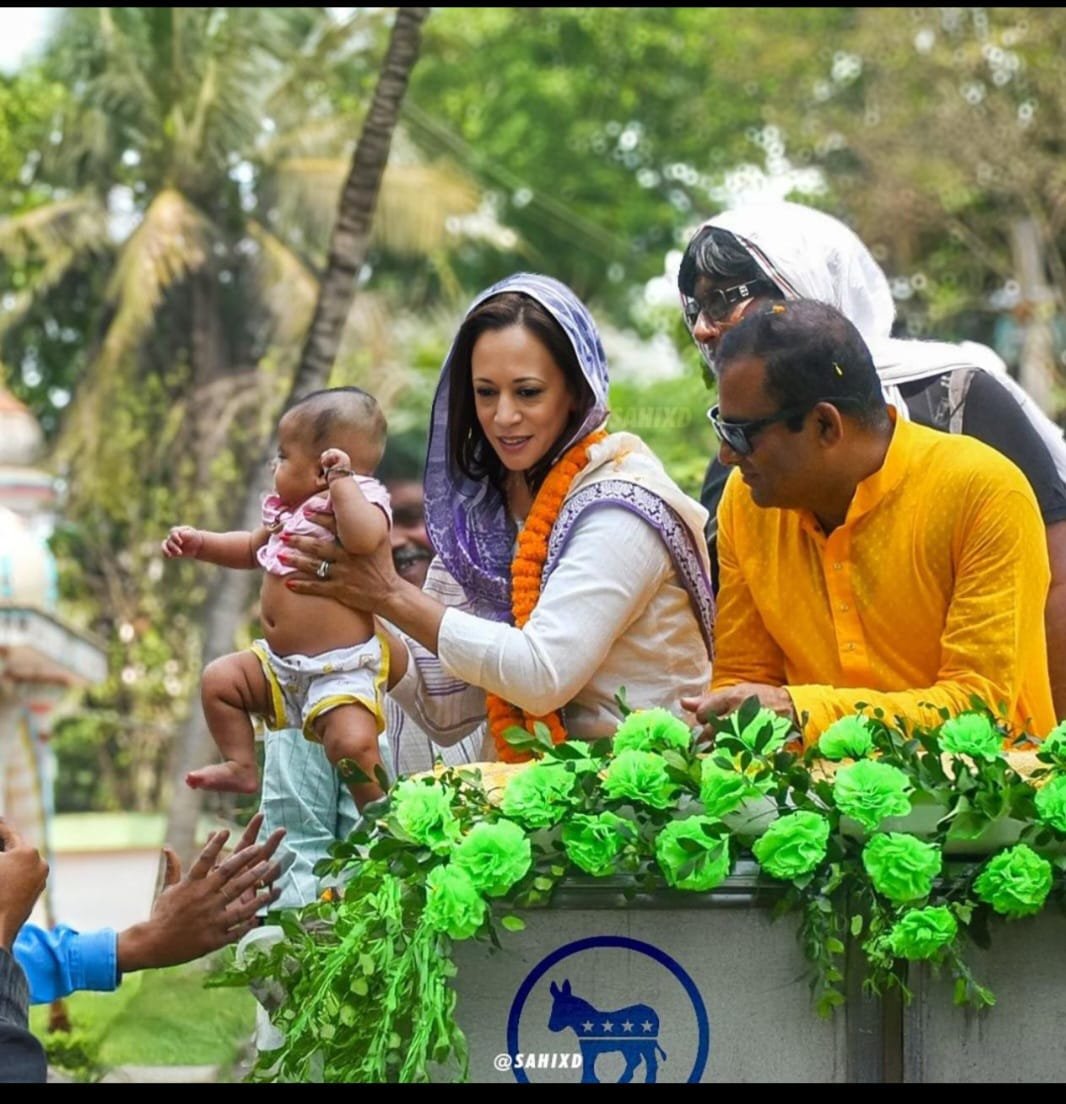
point(211, 906)
point(236, 549)
point(214, 904)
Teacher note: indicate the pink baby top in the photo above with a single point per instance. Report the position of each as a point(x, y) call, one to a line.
point(279, 518)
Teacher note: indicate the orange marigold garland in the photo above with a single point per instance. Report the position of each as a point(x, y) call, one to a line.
point(527, 568)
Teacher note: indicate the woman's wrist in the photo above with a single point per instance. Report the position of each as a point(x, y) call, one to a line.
point(413, 612)
point(395, 605)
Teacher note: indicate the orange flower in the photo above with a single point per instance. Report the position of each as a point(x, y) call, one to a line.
point(527, 569)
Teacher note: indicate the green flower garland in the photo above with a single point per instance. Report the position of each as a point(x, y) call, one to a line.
point(365, 972)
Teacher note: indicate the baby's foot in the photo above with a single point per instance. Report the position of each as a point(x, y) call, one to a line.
point(227, 777)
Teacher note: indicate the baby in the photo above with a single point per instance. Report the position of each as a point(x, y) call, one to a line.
point(321, 666)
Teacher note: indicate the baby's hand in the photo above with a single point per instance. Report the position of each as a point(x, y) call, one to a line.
point(183, 540)
point(335, 458)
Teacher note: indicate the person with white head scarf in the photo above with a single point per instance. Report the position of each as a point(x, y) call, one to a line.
point(781, 250)
point(568, 564)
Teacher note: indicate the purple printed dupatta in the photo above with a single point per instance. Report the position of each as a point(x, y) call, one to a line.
point(468, 521)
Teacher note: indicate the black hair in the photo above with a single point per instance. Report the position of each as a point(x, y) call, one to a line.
point(468, 449)
point(349, 409)
point(811, 353)
point(719, 255)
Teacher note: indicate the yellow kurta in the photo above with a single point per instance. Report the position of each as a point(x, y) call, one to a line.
point(931, 592)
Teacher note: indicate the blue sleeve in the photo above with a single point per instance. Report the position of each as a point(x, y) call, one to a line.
point(61, 961)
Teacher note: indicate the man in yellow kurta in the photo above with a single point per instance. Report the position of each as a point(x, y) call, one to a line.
point(865, 560)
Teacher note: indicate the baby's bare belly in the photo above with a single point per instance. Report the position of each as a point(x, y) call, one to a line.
point(304, 624)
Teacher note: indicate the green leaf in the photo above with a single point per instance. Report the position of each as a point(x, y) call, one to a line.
point(747, 712)
point(351, 772)
point(513, 923)
point(569, 750)
point(620, 701)
point(856, 925)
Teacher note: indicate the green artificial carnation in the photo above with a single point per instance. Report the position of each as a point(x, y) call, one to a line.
point(1051, 802)
point(689, 857)
point(494, 856)
point(1016, 882)
point(902, 867)
point(1053, 747)
point(540, 796)
point(453, 904)
point(847, 738)
point(721, 789)
point(640, 776)
point(793, 845)
point(921, 933)
point(971, 734)
point(869, 792)
point(594, 842)
point(423, 813)
point(652, 730)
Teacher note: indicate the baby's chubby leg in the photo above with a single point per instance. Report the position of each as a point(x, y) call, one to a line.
point(351, 732)
point(232, 687)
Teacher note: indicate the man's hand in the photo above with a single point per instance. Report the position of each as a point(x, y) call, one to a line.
point(22, 876)
point(183, 540)
point(211, 906)
point(718, 703)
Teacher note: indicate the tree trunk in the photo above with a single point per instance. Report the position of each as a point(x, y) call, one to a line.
point(348, 242)
point(227, 600)
point(1036, 372)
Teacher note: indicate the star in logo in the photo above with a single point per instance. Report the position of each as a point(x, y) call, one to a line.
point(608, 1026)
point(587, 1026)
point(646, 1026)
point(627, 1025)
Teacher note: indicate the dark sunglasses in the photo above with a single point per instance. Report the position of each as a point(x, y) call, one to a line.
point(720, 302)
point(739, 436)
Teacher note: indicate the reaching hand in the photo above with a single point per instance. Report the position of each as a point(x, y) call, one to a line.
point(22, 876)
point(211, 906)
point(183, 540)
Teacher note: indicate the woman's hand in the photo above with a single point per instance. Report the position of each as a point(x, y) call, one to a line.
point(363, 582)
point(325, 569)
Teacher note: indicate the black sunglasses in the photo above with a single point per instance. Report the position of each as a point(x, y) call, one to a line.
point(739, 436)
point(721, 301)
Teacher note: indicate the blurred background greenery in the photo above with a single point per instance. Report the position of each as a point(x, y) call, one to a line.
point(161, 1018)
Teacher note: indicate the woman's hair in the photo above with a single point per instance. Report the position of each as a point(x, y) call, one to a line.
point(716, 253)
point(468, 449)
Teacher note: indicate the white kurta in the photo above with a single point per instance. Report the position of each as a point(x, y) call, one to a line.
point(612, 614)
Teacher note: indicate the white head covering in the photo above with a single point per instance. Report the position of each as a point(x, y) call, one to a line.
point(811, 255)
